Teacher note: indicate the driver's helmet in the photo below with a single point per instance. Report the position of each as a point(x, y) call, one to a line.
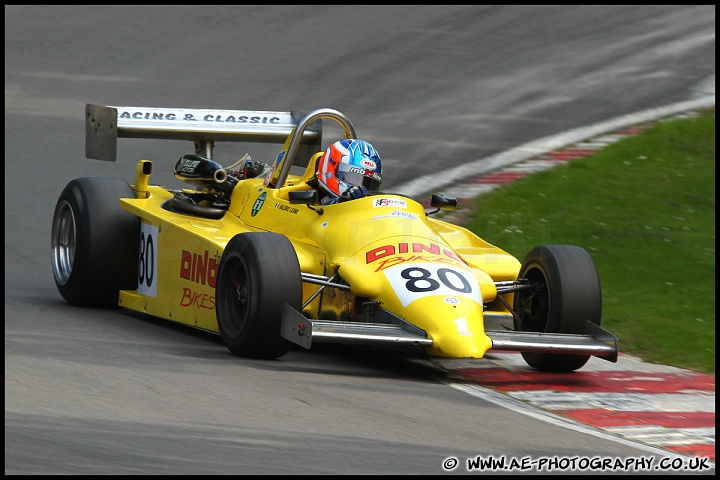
point(348, 163)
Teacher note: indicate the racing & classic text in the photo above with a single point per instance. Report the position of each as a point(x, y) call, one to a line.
point(191, 118)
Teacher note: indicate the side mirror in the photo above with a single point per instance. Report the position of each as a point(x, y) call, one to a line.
point(441, 202)
point(303, 196)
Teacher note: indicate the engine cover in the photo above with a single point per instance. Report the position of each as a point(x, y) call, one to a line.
point(203, 172)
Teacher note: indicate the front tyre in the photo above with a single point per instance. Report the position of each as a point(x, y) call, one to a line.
point(565, 295)
point(259, 272)
point(94, 242)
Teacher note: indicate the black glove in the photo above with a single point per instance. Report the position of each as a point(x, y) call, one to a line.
point(252, 169)
point(352, 193)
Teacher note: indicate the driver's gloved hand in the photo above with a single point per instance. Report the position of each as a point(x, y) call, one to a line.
point(353, 192)
point(252, 169)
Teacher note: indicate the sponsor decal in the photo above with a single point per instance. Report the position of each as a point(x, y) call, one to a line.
point(188, 166)
point(199, 268)
point(451, 300)
point(389, 202)
point(365, 172)
point(286, 208)
point(404, 247)
point(278, 159)
point(397, 213)
point(258, 204)
point(388, 256)
point(274, 170)
point(368, 164)
point(191, 298)
point(197, 116)
point(240, 119)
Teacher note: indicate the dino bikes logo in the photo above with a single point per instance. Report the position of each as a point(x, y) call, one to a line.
point(394, 254)
point(200, 269)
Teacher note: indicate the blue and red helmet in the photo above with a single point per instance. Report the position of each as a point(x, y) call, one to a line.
point(348, 163)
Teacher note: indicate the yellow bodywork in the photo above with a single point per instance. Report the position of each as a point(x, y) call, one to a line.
point(378, 270)
point(434, 275)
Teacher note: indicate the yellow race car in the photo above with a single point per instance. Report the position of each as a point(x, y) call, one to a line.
point(252, 254)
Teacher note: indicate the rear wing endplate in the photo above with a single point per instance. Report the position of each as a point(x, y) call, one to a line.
point(105, 124)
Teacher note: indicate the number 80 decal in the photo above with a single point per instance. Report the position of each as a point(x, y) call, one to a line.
point(418, 280)
point(147, 260)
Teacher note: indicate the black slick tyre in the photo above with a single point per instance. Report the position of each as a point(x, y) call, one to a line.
point(258, 273)
point(565, 295)
point(94, 242)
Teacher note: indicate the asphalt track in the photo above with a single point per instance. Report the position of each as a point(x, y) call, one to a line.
point(433, 88)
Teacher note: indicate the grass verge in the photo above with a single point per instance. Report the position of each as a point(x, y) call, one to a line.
point(644, 208)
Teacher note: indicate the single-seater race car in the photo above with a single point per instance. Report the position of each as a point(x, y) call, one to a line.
point(253, 255)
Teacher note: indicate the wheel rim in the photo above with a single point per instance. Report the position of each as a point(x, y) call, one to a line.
point(237, 299)
point(535, 303)
point(63, 243)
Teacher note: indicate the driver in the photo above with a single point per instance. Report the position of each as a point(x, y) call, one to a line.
point(348, 169)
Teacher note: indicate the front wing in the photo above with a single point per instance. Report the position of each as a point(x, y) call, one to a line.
point(397, 333)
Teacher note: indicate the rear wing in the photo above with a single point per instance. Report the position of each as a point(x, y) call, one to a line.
point(105, 124)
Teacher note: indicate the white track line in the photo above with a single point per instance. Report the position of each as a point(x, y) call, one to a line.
point(544, 145)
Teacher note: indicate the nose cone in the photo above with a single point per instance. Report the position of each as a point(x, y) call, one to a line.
point(455, 324)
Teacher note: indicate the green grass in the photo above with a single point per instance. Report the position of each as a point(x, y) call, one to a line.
point(644, 208)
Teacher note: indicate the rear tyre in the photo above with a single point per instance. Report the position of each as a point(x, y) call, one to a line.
point(565, 295)
point(258, 274)
point(94, 242)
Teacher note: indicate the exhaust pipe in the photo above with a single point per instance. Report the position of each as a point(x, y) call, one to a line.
point(220, 175)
